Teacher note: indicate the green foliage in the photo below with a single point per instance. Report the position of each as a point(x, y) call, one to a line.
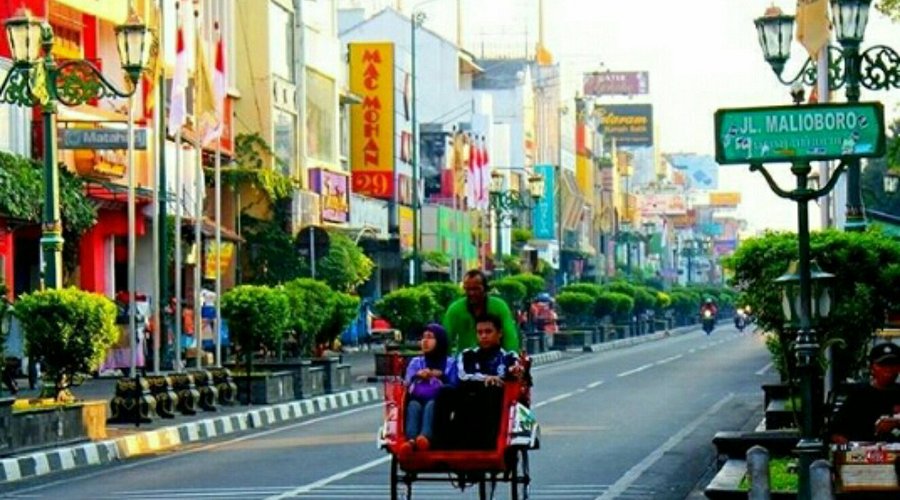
point(663, 301)
point(544, 269)
point(512, 264)
point(270, 253)
point(534, 284)
point(444, 293)
point(590, 289)
point(576, 306)
point(621, 287)
point(861, 263)
point(6, 311)
point(343, 309)
point(69, 330)
point(521, 235)
point(345, 267)
point(605, 305)
point(511, 291)
point(436, 259)
point(684, 303)
point(257, 315)
point(251, 166)
point(408, 309)
point(644, 299)
point(890, 8)
point(623, 305)
point(311, 304)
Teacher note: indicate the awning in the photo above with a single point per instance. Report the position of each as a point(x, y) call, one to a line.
point(357, 233)
point(573, 202)
point(208, 229)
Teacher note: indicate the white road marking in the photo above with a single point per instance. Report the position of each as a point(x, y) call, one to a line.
point(668, 360)
point(763, 370)
point(594, 384)
point(553, 399)
point(692, 351)
point(638, 369)
point(635, 472)
point(332, 478)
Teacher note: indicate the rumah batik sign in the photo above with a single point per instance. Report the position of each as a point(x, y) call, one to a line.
point(372, 124)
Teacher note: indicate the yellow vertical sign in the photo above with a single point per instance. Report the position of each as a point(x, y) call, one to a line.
point(372, 121)
point(813, 28)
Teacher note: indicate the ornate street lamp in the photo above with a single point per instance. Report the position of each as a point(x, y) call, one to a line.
point(892, 180)
point(71, 82)
point(876, 68)
point(820, 293)
point(507, 203)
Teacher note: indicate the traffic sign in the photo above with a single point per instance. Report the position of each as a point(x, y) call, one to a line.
point(799, 133)
point(312, 240)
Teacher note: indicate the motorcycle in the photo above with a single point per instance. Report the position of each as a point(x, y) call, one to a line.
point(740, 320)
point(708, 321)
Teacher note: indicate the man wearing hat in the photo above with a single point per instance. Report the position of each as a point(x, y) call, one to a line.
point(872, 412)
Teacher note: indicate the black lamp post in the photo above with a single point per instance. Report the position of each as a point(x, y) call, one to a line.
point(506, 203)
point(876, 68)
point(39, 80)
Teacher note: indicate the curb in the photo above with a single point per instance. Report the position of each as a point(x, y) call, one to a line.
point(546, 357)
point(102, 452)
point(615, 344)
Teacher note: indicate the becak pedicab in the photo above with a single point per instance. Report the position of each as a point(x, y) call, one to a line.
point(507, 461)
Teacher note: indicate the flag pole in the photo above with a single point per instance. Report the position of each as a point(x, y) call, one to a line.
point(198, 197)
point(132, 306)
point(179, 186)
point(157, 301)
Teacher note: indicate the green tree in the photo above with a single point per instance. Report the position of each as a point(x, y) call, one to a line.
point(511, 291)
point(576, 306)
point(343, 309)
point(872, 180)
point(534, 284)
point(861, 263)
point(890, 8)
point(605, 305)
point(257, 316)
point(69, 330)
point(408, 309)
point(311, 303)
point(345, 267)
point(444, 294)
point(591, 289)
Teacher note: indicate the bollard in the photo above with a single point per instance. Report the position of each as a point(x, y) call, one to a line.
point(820, 480)
point(758, 469)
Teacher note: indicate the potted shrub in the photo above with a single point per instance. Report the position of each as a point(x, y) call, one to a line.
point(510, 290)
point(258, 316)
point(69, 330)
point(407, 310)
point(444, 294)
point(311, 304)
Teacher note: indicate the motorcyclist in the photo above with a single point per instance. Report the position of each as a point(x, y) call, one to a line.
point(741, 318)
point(708, 311)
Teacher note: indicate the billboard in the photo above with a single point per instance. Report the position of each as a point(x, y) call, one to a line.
point(725, 199)
point(333, 193)
point(628, 124)
point(544, 211)
point(372, 121)
point(661, 204)
point(700, 171)
point(616, 83)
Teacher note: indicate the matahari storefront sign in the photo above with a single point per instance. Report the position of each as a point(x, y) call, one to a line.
point(372, 121)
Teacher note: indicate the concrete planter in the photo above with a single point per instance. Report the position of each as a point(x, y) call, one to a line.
point(5, 424)
point(93, 413)
point(47, 427)
point(336, 376)
point(266, 388)
point(309, 380)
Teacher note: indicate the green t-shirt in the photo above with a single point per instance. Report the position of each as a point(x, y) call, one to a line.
point(460, 325)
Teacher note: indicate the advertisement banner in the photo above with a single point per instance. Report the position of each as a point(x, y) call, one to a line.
point(544, 211)
point(224, 253)
point(725, 199)
point(661, 204)
point(628, 124)
point(405, 216)
point(724, 247)
point(333, 194)
point(372, 121)
point(616, 83)
point(700, 171)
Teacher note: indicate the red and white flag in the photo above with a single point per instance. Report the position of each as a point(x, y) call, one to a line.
point(484, 172)
point(220, 90)
point(178, 101)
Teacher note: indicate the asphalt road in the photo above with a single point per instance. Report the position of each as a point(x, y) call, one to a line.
point(633, 423)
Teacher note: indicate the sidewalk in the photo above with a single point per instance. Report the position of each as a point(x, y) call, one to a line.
point(127, 440)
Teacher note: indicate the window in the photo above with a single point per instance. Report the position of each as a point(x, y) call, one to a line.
point(281, 42)
point(320, 117)
point(285, 141)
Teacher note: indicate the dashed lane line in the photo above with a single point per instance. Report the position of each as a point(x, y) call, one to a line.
point(636, 370)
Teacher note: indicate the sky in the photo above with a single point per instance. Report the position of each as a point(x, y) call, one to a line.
point(702, 55)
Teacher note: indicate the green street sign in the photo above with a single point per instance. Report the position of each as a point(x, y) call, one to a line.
point(799, 133)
